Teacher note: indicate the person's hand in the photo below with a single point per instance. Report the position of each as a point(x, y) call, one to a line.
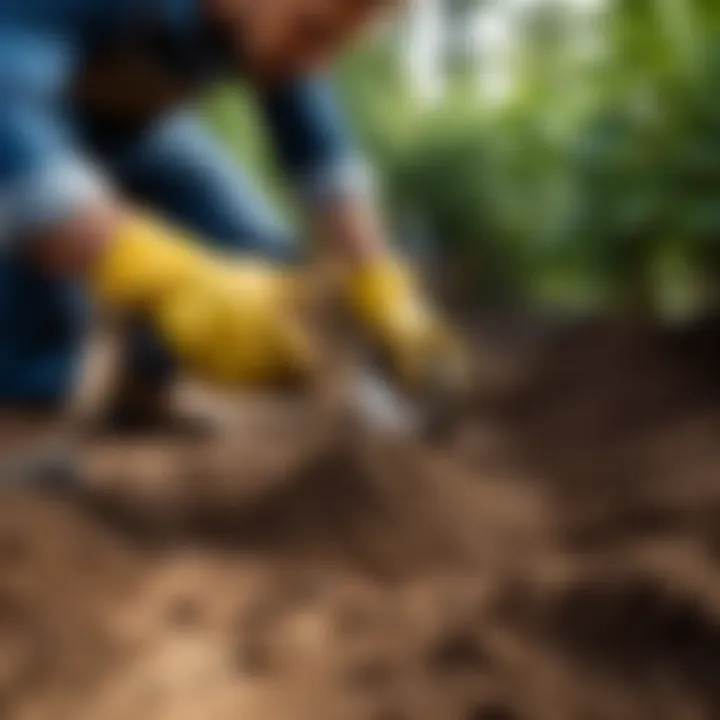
point(236, 325)
point(418, 342)
point(229, 322)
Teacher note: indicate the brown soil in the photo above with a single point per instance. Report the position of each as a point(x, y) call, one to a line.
point(558, 559)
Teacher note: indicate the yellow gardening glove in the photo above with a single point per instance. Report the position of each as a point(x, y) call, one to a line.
point(384, 297)
point(229, 322)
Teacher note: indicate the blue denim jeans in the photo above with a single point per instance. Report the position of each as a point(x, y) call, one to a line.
point(176, 168)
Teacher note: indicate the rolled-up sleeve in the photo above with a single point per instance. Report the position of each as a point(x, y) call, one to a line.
point(314, 141)
point(42, 177)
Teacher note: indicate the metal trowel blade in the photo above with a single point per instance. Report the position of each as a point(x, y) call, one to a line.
point(382, 407)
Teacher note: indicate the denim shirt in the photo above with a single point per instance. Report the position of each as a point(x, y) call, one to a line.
point(45, 45)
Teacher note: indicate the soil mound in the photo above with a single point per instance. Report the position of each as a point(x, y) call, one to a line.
point(558, 559)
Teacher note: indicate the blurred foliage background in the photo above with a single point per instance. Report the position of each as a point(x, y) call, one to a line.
point(575, 167)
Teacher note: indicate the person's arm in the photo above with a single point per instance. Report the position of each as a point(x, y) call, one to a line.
point(225, 324)
point(45, 185)
point(317, 150)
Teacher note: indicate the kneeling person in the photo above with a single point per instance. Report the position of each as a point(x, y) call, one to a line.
point(112, 191)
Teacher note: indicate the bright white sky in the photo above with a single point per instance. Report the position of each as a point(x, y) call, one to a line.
point(495, 34)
